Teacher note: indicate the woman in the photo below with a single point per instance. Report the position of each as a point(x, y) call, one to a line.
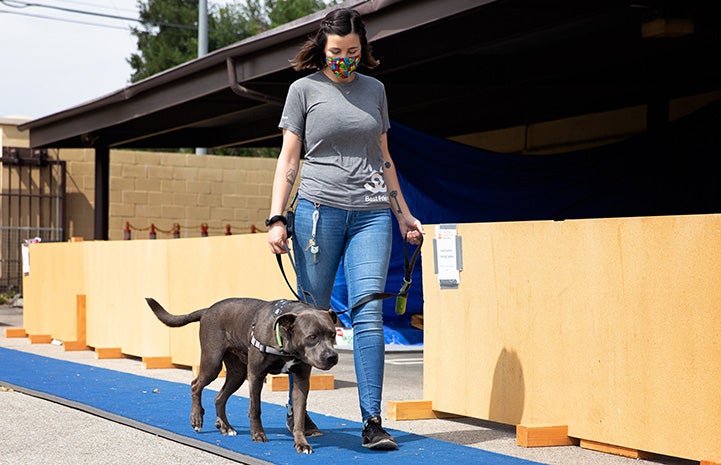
point(348, 187)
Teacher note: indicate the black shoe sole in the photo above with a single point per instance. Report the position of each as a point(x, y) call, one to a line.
point(383, 444)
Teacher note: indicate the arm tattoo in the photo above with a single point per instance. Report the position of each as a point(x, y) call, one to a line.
point(394, 196)
point(290, 176)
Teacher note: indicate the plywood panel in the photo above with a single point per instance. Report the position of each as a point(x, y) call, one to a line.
point(120, 274)
point(607, 326)
point(49, 290)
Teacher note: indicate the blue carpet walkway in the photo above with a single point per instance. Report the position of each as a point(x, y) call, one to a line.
point(163, 408)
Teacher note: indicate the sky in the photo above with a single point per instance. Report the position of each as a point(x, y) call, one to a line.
point(49, 65)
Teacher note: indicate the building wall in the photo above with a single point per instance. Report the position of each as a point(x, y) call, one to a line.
point(9, 134)
point(167, 188)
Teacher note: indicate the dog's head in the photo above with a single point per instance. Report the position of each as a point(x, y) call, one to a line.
point(309, 334)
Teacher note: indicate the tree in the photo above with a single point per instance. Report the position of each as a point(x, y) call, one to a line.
point(284, 11)
point(168, 34)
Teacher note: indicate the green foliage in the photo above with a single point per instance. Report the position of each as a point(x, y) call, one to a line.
point(284, 11)
point(166, 38)
point(7, 296)
point(168, 34)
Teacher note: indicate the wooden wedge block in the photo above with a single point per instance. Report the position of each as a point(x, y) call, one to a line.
point(108, 352)
point(73, 346)
point(414, 410)
point(150, 363)
point(615, 450)
point(543, 436)
point(40, 338)
point(417, 321)
point(318, 382)
point(15, 332)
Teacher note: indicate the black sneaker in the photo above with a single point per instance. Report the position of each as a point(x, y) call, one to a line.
point(311, 430)
point(375, 437)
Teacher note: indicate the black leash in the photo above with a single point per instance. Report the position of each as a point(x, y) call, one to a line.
point(401, 296)
point(282, 271)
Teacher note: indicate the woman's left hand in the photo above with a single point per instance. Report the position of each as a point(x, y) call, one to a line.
point(412, 229)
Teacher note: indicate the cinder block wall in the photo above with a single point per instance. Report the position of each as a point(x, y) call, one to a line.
point(167, 188)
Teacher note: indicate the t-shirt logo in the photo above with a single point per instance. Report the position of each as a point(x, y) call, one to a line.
point(376, 184)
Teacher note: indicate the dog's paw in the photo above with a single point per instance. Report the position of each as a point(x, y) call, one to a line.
point(196, 421)
point(259, 437)
point(197, 425)
point(303, 448)
point(225, 429)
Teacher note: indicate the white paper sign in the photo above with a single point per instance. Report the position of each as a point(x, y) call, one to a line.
point(25, 252)
point(26, 259)
point(447, 256)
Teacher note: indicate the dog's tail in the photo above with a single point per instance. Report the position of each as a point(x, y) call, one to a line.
point(174, 321)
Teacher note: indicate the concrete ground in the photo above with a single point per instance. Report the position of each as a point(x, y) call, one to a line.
point(36, 431)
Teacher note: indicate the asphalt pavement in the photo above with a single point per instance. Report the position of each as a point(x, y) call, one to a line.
point(37, 431)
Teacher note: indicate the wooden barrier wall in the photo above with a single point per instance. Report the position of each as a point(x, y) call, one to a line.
point(609, 326)
point(116, 276)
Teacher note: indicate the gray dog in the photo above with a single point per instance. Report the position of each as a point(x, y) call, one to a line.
point(255, 337)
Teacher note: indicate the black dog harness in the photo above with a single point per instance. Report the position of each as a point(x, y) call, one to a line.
point(279, 308)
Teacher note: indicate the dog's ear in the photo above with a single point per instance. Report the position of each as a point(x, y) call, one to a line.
point(285, 322)
point(333, 316)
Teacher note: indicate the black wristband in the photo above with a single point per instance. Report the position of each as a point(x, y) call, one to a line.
point(275, 219)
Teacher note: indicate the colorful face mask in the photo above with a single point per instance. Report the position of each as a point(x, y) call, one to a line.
point(343, 67)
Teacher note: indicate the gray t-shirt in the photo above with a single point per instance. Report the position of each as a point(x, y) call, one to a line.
point(341, 126)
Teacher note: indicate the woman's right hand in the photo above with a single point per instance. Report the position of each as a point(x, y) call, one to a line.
point(286, 171)
point(278, 238)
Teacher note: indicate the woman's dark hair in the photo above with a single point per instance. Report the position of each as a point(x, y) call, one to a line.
point(342, 22)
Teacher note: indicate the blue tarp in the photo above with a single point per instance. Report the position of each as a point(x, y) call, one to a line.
point(670, 172)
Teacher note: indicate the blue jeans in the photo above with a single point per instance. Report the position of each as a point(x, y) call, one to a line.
point(363, 240)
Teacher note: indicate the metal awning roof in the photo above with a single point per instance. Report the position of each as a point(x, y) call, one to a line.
point(450, 67)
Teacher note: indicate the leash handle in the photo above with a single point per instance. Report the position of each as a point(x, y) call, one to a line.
point(408, 265)
point(401, 301)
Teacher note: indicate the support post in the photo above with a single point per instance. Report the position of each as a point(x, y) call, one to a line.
point(80, 326)
point(102, 189)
